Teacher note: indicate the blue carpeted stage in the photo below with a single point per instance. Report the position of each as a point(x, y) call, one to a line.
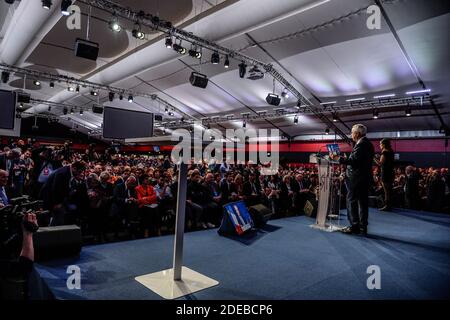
point(289, 260)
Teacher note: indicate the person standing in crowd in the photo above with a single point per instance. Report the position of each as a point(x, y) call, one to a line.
point(412, 195)
point(65, 193)
point(386, 164)
point(358, 175)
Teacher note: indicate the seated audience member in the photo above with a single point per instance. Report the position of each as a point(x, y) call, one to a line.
point(148, 206)
point(200, 196)
point(124, 205)
point(251, 191)
point(215, 203)
point(301, 192)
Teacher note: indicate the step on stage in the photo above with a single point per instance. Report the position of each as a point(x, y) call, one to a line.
point(287, 260)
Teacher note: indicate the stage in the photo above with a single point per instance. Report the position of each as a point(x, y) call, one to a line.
point(289, 260)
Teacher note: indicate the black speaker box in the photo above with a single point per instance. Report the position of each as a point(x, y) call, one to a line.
point(57, 242)
point(97, 109)
point(158, 117)
point(273, 99)
point(86, 49)
point(23, 97)
point(198, 80)
point(260, 214)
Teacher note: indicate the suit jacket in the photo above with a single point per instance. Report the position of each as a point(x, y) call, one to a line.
point(3, 162)
point(359, 163)
point(120, 194)
point(225, 189)
point(247, 189)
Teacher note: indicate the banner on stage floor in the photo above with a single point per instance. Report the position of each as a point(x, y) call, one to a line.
point(239, 216)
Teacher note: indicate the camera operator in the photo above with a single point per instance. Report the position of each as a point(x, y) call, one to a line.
point(15, 268)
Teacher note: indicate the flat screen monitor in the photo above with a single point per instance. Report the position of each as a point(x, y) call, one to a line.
point(156, 149)
point(126, 124)
point(7, 109)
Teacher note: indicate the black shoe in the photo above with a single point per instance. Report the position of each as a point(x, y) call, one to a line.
point(385, 208)
point(363, 231)
point(350, 230)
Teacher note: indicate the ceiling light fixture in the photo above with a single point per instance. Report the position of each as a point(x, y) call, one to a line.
point(226, 65)
point(114, 24)
point(355, 99)
point(37, 83)
point(65, 4)
point(137, 33)
point(385, 96)
point(419, 91)
point(215, 58)
point(376, 114)
point(130, 98)
point(169, 42)
point(47, 4)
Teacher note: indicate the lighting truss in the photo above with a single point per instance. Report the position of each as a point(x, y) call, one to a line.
point(83, 83)
point(155, 23)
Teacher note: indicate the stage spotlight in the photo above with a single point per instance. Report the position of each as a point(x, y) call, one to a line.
point(65, 4)
point(408, 112)
point(111, 96)
point(273, 99)
point(21, 105)
point(375, 114)
point(65, 111)
point(169, 42)
point(71, 89)
point(227, 62)
point(285, 93)
point(47, 4)
point(114, 24)
point(121, 97)
point(195, 54)
point(178, 48)
point(244, 124)
point(71, 111)
point(81, 112)
point(335, 117)
point(130, 98)
point(166, 110)
point(52, 84)
point(5, 76)
point(327, 131)
point(242, 69)
point(296, 119)
point(137, 33)
point(215, 58)
point(49, 108)
point(37, 83)
point(77, 89)
point(94, 93)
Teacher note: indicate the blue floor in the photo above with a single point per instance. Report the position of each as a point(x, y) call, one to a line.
point(288, 261)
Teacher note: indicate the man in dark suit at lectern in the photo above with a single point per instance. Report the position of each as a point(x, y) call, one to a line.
point(358, 180)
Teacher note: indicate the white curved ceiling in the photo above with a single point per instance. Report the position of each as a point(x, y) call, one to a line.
point(340, 60)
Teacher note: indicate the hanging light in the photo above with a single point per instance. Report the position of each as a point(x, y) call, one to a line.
point(81, 112)
point(137, 33)
point(327, 131)
point(226, 65)
point(285, 93)
point(37, 83)
point(114, 24)
point(215, 58)
point(408, 112)
point(52, 84)
point(65, 4)
point(71, 111)
point(296, 120)
point(244, 124)
point(130, 98)
point(335, 117)
point(169, 42)
point(47, 4)
point(375, 114)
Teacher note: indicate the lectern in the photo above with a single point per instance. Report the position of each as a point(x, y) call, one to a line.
point(326, 191)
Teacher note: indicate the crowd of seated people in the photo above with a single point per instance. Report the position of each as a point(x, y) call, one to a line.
point(115, 196)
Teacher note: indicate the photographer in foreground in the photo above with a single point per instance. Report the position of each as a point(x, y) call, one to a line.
point(12, 268)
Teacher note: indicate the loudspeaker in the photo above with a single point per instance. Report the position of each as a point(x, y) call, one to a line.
point(57, 242)
point(86, 49)
point(23, 97)
point(198, 80)
point(273, 99)
point(260, 214)
point(158, 117)
point(97, 109)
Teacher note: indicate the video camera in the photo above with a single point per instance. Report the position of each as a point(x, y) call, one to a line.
point(11, 216)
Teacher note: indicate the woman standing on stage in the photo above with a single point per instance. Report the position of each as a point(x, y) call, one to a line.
point(386, 164)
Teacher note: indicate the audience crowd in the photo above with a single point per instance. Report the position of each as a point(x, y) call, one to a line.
point(115, 196)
